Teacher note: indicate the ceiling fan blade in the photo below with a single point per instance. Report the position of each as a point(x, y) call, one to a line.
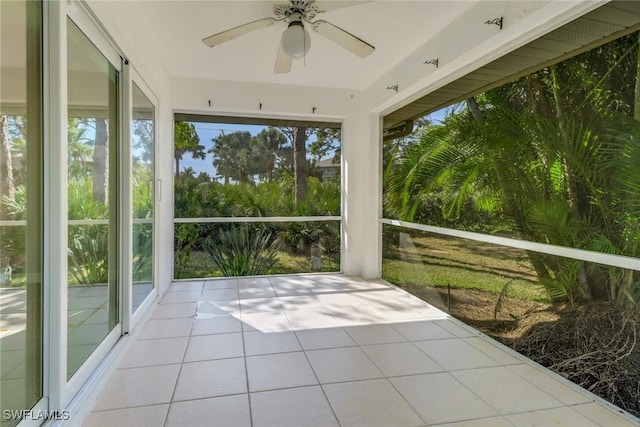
point(283, 62)
point(346, 40)
point(238, 31)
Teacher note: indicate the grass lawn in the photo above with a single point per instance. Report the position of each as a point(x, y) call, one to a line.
point(201, 265)
point(423, 259)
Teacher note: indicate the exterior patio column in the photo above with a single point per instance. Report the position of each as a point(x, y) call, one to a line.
point(361, 194)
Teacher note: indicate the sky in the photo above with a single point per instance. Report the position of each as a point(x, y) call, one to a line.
point(437, 116)
point(208, 131)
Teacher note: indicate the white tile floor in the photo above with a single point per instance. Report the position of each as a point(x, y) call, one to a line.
point(326, 350)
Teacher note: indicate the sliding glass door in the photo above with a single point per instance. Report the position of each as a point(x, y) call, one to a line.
point(93, 84)
point(21, 229)
point(46, 356)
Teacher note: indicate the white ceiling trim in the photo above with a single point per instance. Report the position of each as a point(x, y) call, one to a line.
point(549, 17)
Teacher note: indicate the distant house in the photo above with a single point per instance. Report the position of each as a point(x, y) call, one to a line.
point(329, 169)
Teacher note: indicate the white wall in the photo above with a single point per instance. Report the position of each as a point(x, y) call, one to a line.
point(124, 25)
point(244, 99)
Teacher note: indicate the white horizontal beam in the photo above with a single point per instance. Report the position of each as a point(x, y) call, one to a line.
point(23, 223)
point(88, 222)
point(256, 219)
point(16, 223)
point(563, 251)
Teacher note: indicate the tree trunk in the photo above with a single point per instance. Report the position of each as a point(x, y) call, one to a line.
point(300, 164)
point(636, 99)
point(8, 188)
point(100, 156)
point(271, 167)
point(577, 193)
point(177, 168)
point(539, 100)
point(475, 110)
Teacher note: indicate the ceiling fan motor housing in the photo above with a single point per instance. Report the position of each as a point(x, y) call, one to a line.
point(297, 10)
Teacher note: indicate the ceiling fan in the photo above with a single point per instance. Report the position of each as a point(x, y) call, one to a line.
point(295, 41)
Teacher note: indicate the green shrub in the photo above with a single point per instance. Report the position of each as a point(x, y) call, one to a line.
point(237, 252)
point(142, 252)
point(89, 255)
point(185, 239)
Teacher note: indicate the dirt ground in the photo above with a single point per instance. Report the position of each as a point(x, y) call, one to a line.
point(596, 345)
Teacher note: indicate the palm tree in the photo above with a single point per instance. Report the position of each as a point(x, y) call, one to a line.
point(271, 142)
point(100, 161)
point(204, 177)
point(78, 147)
point(186, 140)
point(327, 142)
point(189, 172)
point(144, 130)
point(7, 188)
point(234, 157)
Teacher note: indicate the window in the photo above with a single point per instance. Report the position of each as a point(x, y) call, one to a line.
point(273, 185)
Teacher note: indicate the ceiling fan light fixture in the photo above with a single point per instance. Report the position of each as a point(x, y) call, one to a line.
point(296, 40)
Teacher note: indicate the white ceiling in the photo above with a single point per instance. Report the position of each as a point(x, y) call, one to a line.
point(395, 28)
point(12, 34)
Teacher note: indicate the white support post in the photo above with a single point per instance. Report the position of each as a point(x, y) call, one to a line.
point(372, 262)
point(361, 194)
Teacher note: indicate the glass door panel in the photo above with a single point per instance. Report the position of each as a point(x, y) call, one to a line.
point(93, 85)
point(143, 167)
point(21, 220)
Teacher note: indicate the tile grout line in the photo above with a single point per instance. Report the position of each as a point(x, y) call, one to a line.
point(542, 370)
point(474, 393)
point(306, 356)
point(175, 386)
point(405, 400)
point(246, 376)
point(387, 378)
point(448, 372)
point(324, 393)
point(244, 359)
point(506, 367)
point(101, 411)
